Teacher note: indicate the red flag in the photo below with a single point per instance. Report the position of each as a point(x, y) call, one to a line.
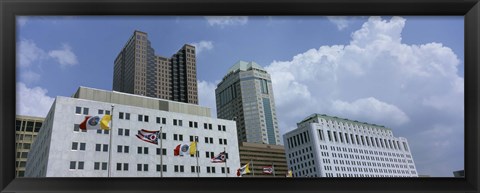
point(83, 125)
point(176, 151)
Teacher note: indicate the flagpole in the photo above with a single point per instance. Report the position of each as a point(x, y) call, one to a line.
point(273, 168)
point(196, 156)
point(225, 151)
point(110, 143)
point(253, 169)
point(161, 153)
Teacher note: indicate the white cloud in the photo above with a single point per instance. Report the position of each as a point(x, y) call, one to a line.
point(64, 56)
point(33, 101)
point(378, 111)
point(206, 95)
point(377, 79)
point(202, 46)
point(29, 76)
point(223, 21)
point(340, 21)
point(28, 53)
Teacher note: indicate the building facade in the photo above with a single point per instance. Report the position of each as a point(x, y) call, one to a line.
point(326, 146)
point(63, 150)
point(263, 155)
point(245, 95)
point(26, 130)
point(137, 70)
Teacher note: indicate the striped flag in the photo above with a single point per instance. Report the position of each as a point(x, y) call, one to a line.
point(148, 136)
point(220, 158)
point(268, 170)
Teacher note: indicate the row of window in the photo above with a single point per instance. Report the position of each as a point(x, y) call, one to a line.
point(78, 110)
point(80, 165)
point(176, 137)
point(363, 128)
point(145, 118)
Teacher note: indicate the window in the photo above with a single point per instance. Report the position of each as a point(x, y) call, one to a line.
point(127, 116)
point(119, 149)
point(140, 118)
point(85, 111)
point(82, 146)
point(73, 165)
point(120, 115)
point(104, 165)
point(80, 165)
point(78, 110)
point(76, 127)
point(145, 118)
point(120, 131)
point(163, 166)
point(105, 147)
point(96, 166)
point(98, 147)
point(74, 145)
point(164, 151)
point(100, 111)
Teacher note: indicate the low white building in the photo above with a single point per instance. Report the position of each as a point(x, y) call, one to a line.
point(325, 146)
point(63, 150)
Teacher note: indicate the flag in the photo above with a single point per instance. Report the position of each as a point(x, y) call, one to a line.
point(148, 136)
point(90, 123)
point(243, 170)
point(268, 170)
point(289, 174)
point(83, 124)
point(184, 150)
point(105, 121)
point(176, 151)
point(193, 148)
point(220, 158)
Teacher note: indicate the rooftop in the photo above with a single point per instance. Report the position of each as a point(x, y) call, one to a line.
point(140, 101)
point(244, 66)
point(338, 119)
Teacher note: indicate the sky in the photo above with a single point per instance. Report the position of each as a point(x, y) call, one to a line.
point(403, 72)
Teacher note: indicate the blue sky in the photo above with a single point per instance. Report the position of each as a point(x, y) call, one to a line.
point(402, 72)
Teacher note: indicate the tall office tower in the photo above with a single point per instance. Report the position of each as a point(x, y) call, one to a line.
point(325, 146)
point(245, 95)
point(62, 149)
point(137, 70)
point(26, 130)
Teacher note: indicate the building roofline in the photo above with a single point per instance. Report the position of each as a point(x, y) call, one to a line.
point(316, 115)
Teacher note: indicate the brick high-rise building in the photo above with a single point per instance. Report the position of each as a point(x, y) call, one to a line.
point(138, 70)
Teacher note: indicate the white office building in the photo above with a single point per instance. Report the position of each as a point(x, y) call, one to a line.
point(325, 146)
point(63, 150)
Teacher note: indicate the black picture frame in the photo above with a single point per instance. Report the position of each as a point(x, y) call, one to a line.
point(470, 9)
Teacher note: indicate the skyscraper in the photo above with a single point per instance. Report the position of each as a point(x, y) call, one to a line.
point(245, 95)
point(137, 70)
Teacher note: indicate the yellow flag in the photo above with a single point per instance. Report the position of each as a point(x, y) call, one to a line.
point(193, 148)
point(104, 122)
